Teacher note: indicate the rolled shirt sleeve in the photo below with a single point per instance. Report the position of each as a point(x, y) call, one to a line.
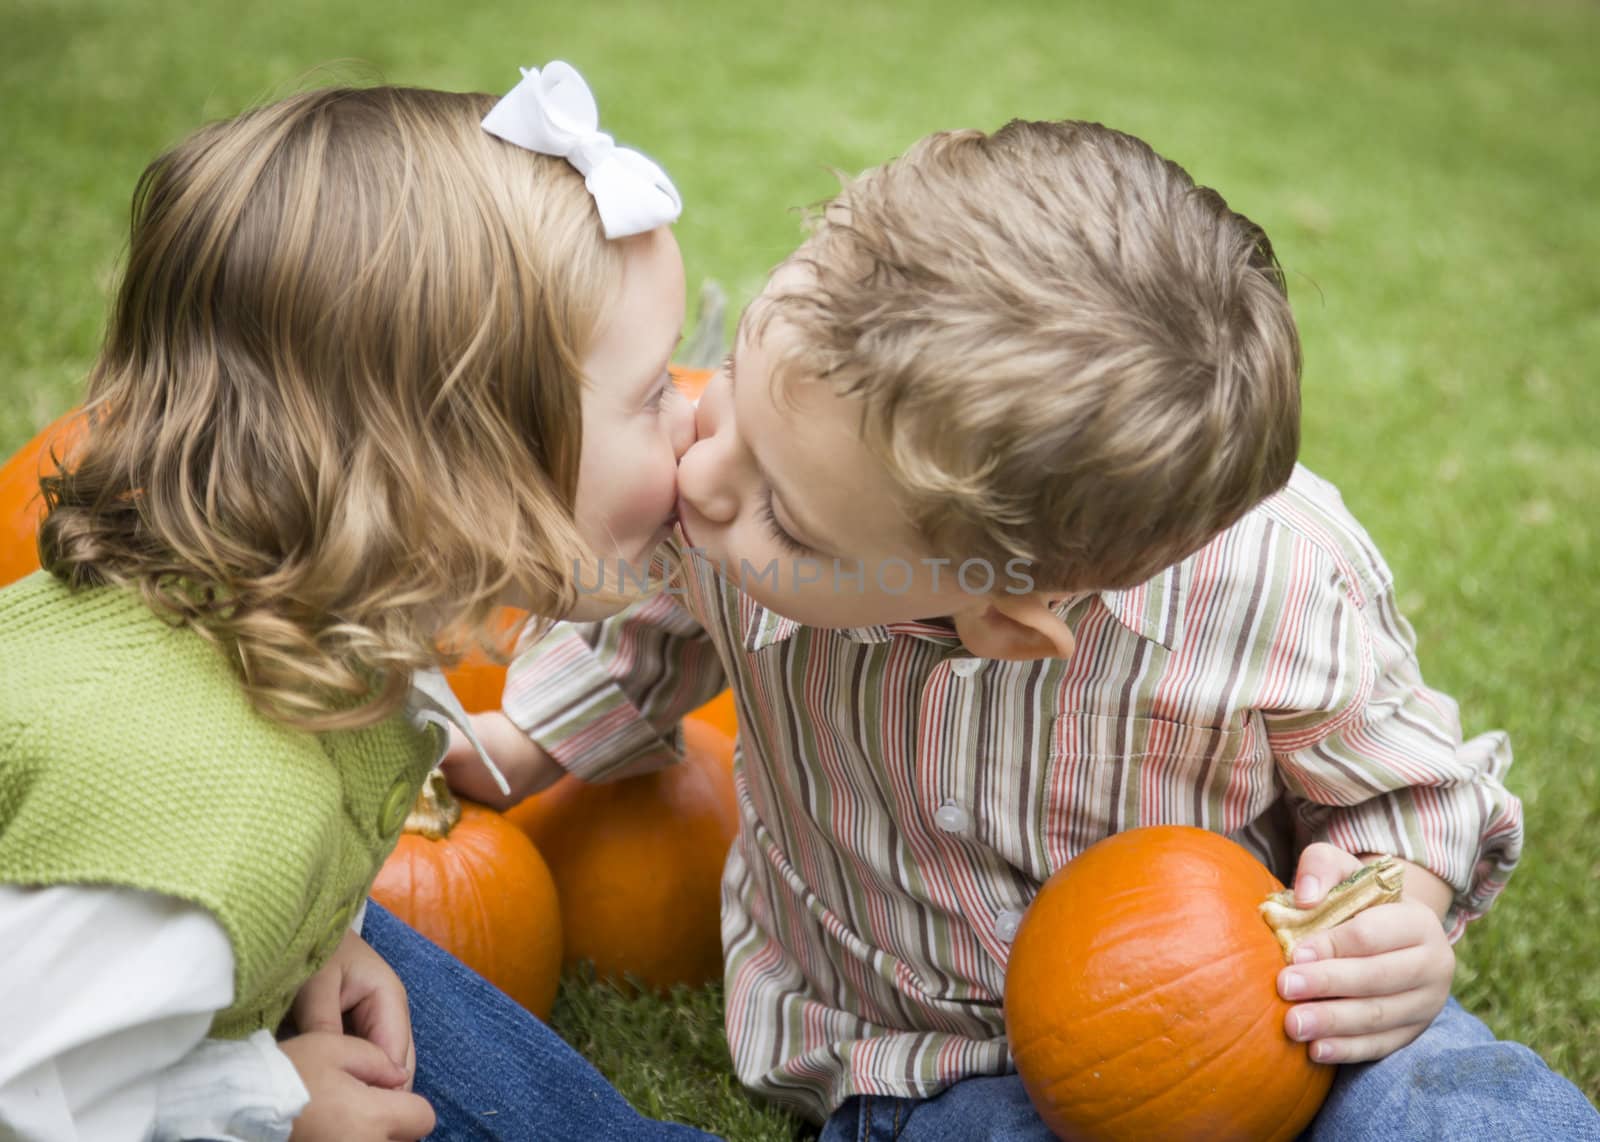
point(605, 699)
point(1374, 760)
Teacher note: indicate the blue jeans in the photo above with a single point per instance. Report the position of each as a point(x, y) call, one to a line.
point(490, 1069)
point(1455, 1083)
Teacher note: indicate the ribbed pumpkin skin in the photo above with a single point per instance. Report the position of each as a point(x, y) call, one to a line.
point(485, 895)
point(638, 864)
point(20, 504)
point(1141, 997)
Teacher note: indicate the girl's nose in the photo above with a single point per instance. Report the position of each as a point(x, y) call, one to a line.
point(681, 429)
point(708, 410)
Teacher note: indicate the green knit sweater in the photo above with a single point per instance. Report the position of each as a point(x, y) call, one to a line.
point(130, 756)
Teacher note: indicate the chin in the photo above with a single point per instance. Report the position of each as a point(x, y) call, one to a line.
point(645, 550)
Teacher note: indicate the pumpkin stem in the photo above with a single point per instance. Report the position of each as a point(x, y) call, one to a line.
point(436, 810)
point(1377, 883)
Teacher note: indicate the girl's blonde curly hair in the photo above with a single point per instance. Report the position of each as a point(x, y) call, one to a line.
point(336, 412)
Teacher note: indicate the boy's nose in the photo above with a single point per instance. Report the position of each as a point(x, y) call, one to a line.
point(706, 470)
point(703, 484)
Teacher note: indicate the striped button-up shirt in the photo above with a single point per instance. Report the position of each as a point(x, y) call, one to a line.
point(901, 801)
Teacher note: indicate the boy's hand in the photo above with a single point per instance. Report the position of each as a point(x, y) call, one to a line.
point(1375, 982)
point(355, 1095)
point(357, 986)
point(526, 765)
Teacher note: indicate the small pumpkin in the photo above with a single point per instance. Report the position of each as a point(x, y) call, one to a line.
point(638, 864)
point(1141, 994)
point(471, 882)
point(21, 506)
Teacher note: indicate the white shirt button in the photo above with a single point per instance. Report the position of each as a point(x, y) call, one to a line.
point(966, 667)
point(1006, 925)
point(952, 818)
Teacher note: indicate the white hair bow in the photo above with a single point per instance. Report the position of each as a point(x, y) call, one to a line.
point(553, 112)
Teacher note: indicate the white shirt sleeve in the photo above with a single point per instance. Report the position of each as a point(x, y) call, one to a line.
point(105, 998)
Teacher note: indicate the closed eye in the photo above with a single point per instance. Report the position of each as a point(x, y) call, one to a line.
point(658, 397)
point(785, 540)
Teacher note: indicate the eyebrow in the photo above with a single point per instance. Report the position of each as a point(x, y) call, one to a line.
point(801, 531)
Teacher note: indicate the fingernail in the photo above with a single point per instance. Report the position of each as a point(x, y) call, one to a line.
point(1304, 954)
point(1292, 985)
point(1321, 1052)
point(1309, 889)
point(1304, 1026)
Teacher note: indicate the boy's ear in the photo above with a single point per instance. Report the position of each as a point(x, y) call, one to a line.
point(1014, 627)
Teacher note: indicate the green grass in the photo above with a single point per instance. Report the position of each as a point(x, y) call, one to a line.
point(667, 1055)
point(1428, 172)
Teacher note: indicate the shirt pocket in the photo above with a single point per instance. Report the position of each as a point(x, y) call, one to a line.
point(1105, 775)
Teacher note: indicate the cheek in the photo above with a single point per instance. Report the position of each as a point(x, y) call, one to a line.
point(643, 493)
point(626, 491)
point(747, 550)
point(818, 596)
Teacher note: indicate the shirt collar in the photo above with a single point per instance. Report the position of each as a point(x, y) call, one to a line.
point(1152, 610)
point(432, 702)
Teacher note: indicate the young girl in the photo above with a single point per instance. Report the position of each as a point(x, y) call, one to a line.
point(378, 365)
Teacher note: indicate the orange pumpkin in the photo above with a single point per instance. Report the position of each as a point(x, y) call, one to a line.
point(638, 864)
point(1141, 996)
point(20, 505)
point(719, 713)
point(478, 888)
point(477, 680)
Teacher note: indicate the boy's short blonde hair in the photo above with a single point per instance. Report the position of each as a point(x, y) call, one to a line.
point(337, 407)
point(1067, 352)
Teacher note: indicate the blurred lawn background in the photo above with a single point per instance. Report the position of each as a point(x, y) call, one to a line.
point(1429, 173)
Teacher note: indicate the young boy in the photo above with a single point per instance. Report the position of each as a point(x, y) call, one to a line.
point(994, 526)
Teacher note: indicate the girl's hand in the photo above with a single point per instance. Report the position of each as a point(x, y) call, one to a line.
point(357, 992)
point(355, 1095)
point(526, 765)
point(1375, 982)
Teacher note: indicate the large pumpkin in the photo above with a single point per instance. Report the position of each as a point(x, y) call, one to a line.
point(20, 504)
point(638, 864)
point(1141, 996)
point(475, 885)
